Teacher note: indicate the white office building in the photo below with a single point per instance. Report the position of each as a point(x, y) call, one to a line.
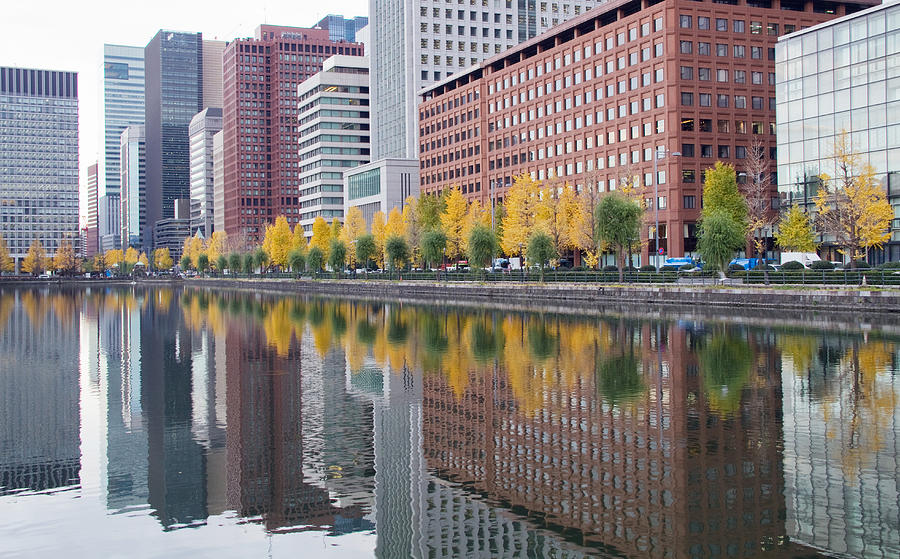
point(123, 105)
point(333, 135)
point(133, 182)
point(200, 132)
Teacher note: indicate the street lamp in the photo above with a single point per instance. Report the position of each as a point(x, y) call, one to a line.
point(660, 153)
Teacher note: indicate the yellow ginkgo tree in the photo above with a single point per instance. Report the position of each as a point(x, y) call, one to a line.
point(852, 208)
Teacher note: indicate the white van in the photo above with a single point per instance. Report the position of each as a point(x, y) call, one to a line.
point(805, 258)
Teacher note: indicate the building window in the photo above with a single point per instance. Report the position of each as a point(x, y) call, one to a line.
point(739, 26)
point(721, 49)
point(687, 72)
point(703, 49)
point(687, 47)
point(740, 76)
point(704, 74)
point(740, 152)
point(721, 24)
point(740, 101)
point(740, 51)
point(687, 150)
point(724, 152)
point(687, 99)
point(722, 100)
point(756, 53)
point(687, 125)
point(756, 103)
point(690, 201)
point(706, 151)
point(702, 22)
point(756, 28)
point(705, 125)
point(685, 21)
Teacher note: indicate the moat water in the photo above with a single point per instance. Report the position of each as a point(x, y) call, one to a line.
point(183, 422)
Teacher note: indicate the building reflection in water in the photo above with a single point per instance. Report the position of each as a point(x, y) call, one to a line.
point(454, 433)
point(39, 413)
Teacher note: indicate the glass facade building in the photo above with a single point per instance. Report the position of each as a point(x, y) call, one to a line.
point(841, 76)
point(133, 169)
point(173, 95)
point(38, 159)
point(123, 104)
point(341, 28)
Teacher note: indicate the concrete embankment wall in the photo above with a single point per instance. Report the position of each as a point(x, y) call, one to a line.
point(573, 295)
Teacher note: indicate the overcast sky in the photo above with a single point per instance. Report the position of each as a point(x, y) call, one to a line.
point(67, 35)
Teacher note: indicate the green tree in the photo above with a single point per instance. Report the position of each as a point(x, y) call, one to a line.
point(482, 245)
point(249, 263)
point(296, 260)
point(234, 262)
point(795, 232)
point(185, 262)
point(315, 258)
point(433, 244)
point(719, 237)
point(222, 263)
point(337, 255)
point(720, 192)
point(429, 209)
point(365, 249)
point(202, 262)
point(619, 224)
point(261, 259)
point(397, 251)
point(541, 249)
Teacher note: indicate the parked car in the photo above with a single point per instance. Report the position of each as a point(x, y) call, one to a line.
point(45, 275)
point(805, 258)
point(678, 261)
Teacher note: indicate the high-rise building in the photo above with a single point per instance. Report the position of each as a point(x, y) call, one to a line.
point(109, 222)
point(600, 100)
point(212, 73)
point(133, 168)
point(173, 95)
point(93, 210)
point(260, 122)
point(341, 28)
point(330, 140)
point(202, 129)
point(123, 105)
point(218, 181)
point(170, 232)
point(38, 158)
point(840, 76)
point(415, 45)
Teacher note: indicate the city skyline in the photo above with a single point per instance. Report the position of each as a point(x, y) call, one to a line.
point(86, 31)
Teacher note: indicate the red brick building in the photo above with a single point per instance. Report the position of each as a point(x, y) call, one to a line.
point(591, 101)
point(260, 119)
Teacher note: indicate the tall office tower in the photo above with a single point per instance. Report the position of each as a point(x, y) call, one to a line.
point(109, 223)
point(173, 95)
point(123, 104)
point(415, 45)
point(133, 168)
point(611, 96)
point(93, 211)
point(218, 181)
point(203, 126)
point(331, 140)
point(341, 28)
point(212, 73)
point(260, 120)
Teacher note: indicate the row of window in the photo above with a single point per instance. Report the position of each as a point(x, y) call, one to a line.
point(723, 101)
point(689, 124)
point(738, 51)
point(737, 25)
point(722, 75)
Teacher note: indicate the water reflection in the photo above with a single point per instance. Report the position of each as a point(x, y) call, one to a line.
point(446, 432)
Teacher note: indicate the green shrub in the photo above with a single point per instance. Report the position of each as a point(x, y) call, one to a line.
point(735, 268)
point(630, 269)
point(686, 267)
point(792, 265)
point(610, 268)
point(890, 266)
point(668, 268)
point(821, 265)
point(648, 268)
point(861, 265)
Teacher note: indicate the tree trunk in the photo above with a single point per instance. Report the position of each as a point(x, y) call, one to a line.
point(621, 264)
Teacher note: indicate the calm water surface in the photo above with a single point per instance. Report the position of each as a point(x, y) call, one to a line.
point(166, 423)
